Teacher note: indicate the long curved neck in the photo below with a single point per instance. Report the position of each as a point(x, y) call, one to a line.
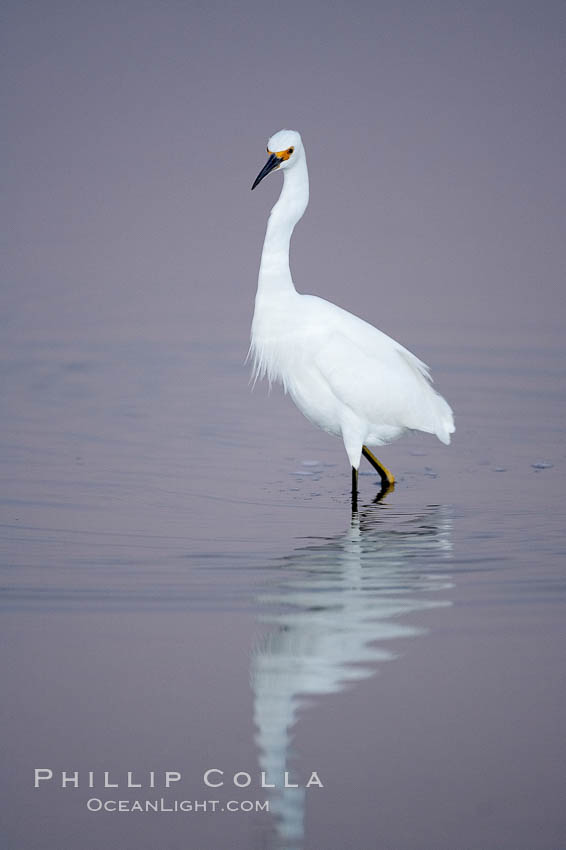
point(274, 271)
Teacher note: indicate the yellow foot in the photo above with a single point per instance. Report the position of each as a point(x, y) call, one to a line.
point(387, 477)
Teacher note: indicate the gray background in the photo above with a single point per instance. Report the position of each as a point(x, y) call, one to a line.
point(183, 584)
point(132, 132)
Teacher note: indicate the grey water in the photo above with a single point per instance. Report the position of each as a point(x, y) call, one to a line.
point(185, 588)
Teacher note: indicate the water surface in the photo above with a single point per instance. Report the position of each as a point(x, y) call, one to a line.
point(185, 588)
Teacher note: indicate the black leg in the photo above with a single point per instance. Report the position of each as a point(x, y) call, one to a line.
point(354, 489)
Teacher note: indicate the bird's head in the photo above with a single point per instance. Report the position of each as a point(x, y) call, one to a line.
point(284, 149)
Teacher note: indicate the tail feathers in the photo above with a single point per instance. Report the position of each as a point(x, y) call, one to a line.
point(440, 419)
point(445, 420)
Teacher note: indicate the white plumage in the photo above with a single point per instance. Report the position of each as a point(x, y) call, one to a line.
point(343, 374)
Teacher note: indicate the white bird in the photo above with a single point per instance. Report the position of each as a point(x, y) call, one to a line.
point(344, 375)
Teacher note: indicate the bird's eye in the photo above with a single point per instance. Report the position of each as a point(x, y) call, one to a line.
point(290, 151)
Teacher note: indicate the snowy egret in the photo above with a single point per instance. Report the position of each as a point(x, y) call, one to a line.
point(344, 375)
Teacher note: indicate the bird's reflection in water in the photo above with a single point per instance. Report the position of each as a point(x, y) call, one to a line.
point(340, 604)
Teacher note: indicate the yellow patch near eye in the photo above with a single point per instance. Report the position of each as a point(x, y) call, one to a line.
point(283, 154)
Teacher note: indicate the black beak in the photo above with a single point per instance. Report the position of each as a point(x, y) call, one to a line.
point(272, 162)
